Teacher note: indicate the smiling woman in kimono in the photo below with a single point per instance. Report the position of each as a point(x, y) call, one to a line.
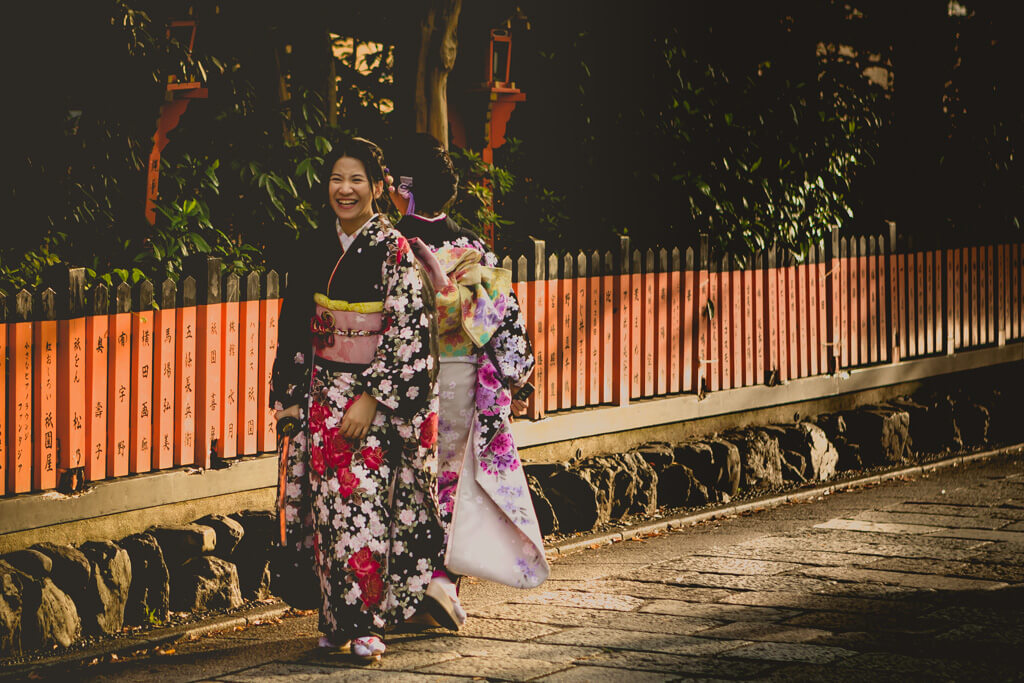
point(486, 360)
point(356, 366)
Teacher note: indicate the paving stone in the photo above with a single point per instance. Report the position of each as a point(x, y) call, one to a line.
point(949, 521)
point(279, 672)
point(640, 589)
point(878, 538)
point(790, 652)
point(624, 639)
point(970, 636)
point(1015, 537)
point(504, 629)
point(813, 557)
point(584, 572)
point(503, 668)
point(996, 553)
point(593, 600)
point(716, 611)
point(760, 631)
point(973, 570)
point(960, 510)
point(857, 544)
point(1016, 526)
point(827, 673)
point(927, 581)
point(752, 583)
point(487, 647)
point(961, 614)
point(575, 616)
point(687, 665)
point(870, 590)
point(597, 674)
point(728, 565)
point(878, 527)
point(916, 667)
point(839, 621)
point(806, 601)
point(395, 659)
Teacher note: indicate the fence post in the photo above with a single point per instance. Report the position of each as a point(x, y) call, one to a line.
point(19, 397)
point(701, 321)
point(209, 401)
point(227, 427)
point(71, 372)
point(249, 355)
point(44, 465)
point(3, 395)
point(621, 380)
point(97, 354)
point(141, 424)
point(185, 405)
point(270, 309)
point(535, 304)
point(164, 335)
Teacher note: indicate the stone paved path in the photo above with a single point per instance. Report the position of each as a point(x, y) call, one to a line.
point(909, 580)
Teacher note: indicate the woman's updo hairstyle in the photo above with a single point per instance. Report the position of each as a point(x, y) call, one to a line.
point(423, 158)
point(360, 149)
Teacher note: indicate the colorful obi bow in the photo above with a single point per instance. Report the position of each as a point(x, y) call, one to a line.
point(474, 297)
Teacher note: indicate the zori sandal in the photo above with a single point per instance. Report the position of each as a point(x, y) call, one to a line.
point(368, 648)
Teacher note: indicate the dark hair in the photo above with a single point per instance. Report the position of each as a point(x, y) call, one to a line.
point(360, 149)
point(426, 161)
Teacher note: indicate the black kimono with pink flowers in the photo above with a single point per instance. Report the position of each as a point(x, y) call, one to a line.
point(367, 510)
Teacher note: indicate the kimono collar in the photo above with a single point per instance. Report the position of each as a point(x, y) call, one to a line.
point(482, 292)
point(346, 239)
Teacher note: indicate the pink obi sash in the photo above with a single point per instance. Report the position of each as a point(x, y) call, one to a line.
point(346, 337)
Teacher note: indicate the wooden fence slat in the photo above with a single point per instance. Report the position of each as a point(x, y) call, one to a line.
point(165, 332)
point(97, 334)
point(802, 322)
point(71, 371)
point(209, 336)
point(893, 341)
point(227, 443)
point(862, 300)
point(813, 346)
point(983, 298)
point(792, 319)
point(929, 287)
point(119, 383)
point(975, 300)
point(771, 286)
point(872, 301)
point(853, 303)
point(609, 331)
point(782, 313)
point(44, 411)
point(675, 323)
point(566, 333)
point(842, 277)
point(593, 352)
point(735, 330)
point(140, 424)
point(1002, 289)
point(647, 352)
point(636, 316)
point(1016, 293)
point(185, 405)
point(913, 335)
point(956, 271)
point(270, 313)
point(581, 362)
point(747, 302)
point(757, 320)
point(537, 295)
point(823, 311)
point(713, 314)
point(689, 323)
point(990, 290)
point(623, 323)
point(701, 322)
point(884, 310)
point(20, 342)
point(249, 363)
point(725, 332)
point(554, 342)
point(661, 295)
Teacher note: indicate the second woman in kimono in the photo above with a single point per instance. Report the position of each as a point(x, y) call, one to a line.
point(486, 360)
point(356, 366)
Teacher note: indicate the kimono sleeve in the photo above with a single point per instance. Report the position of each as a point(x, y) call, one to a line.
point(510, 344)
point(290, 379)
point(402, 372)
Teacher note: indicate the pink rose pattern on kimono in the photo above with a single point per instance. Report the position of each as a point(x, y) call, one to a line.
point(500, 472)
point(337, 490)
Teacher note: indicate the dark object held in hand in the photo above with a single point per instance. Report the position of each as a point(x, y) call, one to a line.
point(524, 392)
point(287, 426)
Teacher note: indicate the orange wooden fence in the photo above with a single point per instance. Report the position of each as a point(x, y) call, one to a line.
point(113, 383)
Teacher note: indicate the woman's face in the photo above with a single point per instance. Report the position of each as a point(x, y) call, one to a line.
point(350, 193)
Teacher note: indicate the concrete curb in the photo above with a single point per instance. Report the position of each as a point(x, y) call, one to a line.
point(149, 640)
point(679, 521)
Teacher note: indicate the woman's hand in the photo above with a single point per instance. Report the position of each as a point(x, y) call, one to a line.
point(356, 422)
point(290, 411)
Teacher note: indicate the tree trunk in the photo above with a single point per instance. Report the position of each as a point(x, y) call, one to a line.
point(425, 59)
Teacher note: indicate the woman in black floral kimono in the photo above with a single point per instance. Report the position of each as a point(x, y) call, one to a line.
point(485, 362)
point(356, 365)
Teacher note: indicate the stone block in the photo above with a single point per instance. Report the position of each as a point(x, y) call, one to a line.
point(820, 457)
point(716, 464)
point(204, 583)
point(228, 533)
point(49, 617)
point(148, 593)
point(103, 602)
point(882, 434)
point(11, 586)
point(31, 562)
point(251, 556)
point(574, 500)
point(678, 486)
point(760, 458)
point(70, 569)
point(658, 455)
point(546, 518)
point(972, 420)
point(181, 542)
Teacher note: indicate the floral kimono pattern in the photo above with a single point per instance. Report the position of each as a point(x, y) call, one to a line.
point(479, 317)
point(367, 509)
